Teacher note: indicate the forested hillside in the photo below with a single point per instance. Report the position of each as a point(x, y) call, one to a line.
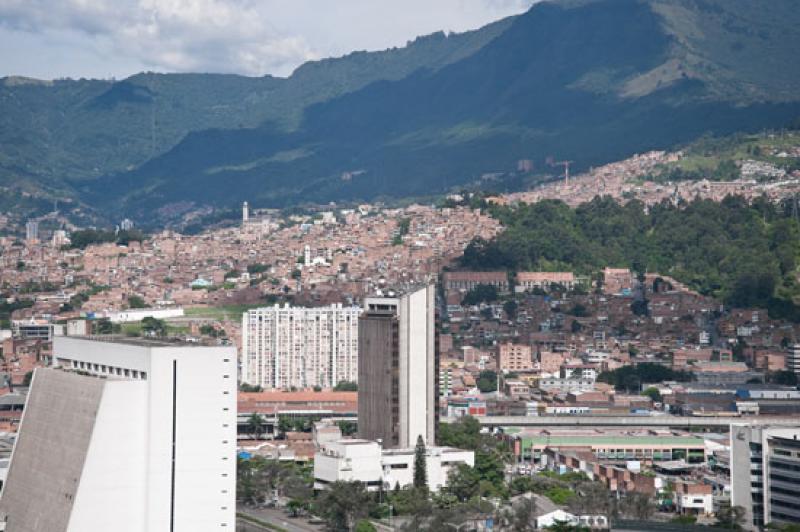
point(746, 255)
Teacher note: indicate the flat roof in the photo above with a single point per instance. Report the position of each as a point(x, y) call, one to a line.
point(593, 441)
point(139, 341)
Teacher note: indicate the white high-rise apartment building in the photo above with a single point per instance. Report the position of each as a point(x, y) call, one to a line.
point(301, 347)
point(129, 436)
point(32, 231)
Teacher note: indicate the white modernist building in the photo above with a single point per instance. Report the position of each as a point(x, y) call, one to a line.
point(131, 315)
point(301, 347)
point(129, 436)
point(365, 461)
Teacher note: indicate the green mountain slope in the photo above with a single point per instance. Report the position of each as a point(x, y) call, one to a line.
point(587, 81)
point(54, 134)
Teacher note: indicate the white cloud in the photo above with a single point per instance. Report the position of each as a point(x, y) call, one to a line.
point(253, 37)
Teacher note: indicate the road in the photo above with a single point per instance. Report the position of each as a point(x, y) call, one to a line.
point(280, 519)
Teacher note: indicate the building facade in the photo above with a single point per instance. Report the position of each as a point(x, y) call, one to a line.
point(126, 436)
point(398, 369)
point(367, 462)
point(285, 347)
point(793, 360)
point(515, 357)
point(765, 474)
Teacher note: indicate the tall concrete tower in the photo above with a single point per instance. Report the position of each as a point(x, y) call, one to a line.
point(245, 212)
point(398, 369)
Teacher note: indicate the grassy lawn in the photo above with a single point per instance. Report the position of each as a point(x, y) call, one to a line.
point(230, 312)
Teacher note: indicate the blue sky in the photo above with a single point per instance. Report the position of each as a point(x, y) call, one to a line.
point(116, 38)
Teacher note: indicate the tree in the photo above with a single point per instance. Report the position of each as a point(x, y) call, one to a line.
point(420, 465)
point(639, 505)
point(463, 482)
point(782, 377)
point(729, 516)
point(343, 504)
point(346, 386)
point(640, 307)
point(103, 326)
point(256, 424)
point(348, 428)
point(154, 327)
point(510, 307)
point(653, 394)
point(26, 380)
point(136, 302)
point(579, 310)
point(487, 381)
point(523, 515)
point(482, 293)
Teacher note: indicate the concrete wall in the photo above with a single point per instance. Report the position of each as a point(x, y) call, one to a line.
point(113, 487)
point(205, 467)
point(417, 368)
point(50, 452)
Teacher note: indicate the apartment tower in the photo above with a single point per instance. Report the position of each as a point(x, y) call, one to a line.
point(285, 347)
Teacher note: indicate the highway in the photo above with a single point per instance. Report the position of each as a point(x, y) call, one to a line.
point(628, 421)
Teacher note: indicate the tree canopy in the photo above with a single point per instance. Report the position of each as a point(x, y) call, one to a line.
point(745, 254)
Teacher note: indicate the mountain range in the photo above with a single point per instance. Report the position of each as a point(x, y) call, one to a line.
point(588, 81)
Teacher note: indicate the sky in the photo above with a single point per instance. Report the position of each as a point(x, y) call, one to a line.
point(50, 39)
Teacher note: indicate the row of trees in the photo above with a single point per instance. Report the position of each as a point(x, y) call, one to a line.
point(631, 378)
point(81, 239)
point(746, 254)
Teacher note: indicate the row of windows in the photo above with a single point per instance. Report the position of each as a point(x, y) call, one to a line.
point(108, 370)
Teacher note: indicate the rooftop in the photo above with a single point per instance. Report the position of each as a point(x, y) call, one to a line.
point(140, 341)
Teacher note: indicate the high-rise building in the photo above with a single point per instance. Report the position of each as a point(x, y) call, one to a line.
point(284, 347)
point(32, 231)
point(245, 212)
point(398, 369)
point(127, 436)
point(765, 473)
point(126, 224)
